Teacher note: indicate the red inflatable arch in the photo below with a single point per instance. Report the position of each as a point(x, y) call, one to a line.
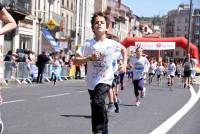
point(180, 41)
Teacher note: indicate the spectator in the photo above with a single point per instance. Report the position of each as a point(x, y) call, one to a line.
point(41, 62)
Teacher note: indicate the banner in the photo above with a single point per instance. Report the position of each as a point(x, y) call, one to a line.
point(155, 45)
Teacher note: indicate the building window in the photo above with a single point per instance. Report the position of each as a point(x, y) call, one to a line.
point(72, 6)
point(186, 20)
point(71, 23)
point(63, 2)
point(67, 21)
point(68, 4)
point(177, 53)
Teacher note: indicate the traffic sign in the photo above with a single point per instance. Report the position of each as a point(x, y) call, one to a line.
point(51, 24)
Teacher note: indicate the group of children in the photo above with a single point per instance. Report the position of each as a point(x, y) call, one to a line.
point(185, 69)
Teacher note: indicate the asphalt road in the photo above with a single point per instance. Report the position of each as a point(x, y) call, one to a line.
point(65, 109)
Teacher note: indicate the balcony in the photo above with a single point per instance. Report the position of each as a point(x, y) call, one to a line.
point(196, 32)
point(19, 9)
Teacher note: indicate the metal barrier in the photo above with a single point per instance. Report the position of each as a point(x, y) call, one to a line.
point(22, 72)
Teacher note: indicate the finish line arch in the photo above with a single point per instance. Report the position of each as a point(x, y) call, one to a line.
point(179, 42)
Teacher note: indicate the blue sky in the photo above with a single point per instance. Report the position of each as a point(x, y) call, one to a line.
point(149, 8)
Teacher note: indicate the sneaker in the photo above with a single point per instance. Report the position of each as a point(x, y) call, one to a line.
point(111, 107)
point(116, 107)
point(137, 103)
point(184, 86)
point(119, 101)
point(143, 93)
point(1, 126)
point(188, 86)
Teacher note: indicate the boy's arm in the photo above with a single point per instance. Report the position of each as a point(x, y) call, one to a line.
point(10, 23)
point(124, 64)
point(79, 60)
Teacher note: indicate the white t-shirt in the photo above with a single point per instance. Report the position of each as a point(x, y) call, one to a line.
point(152, 68)
point(56, 67)
point(114, 63)
point(171, 69)
point(100, 71)
point(138, 67)
point(160, 70)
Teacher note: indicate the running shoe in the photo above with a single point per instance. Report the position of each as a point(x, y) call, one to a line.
point(1, 125)
point(111, 107)
point(116, 107)
point(184, 86)
point(143, 93)
point(137, 103)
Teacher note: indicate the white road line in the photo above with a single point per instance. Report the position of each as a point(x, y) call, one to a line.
point(168, 124)
point(82, 91)
point(14, 101)
point(56, 95)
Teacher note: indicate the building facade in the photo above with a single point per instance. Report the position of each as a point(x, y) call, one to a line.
point(196, 28)
point(175, 24)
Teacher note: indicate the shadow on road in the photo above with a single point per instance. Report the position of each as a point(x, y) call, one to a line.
point(77, 116)
point(127, 105)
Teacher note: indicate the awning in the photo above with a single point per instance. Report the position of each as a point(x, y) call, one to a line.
point(48, 36)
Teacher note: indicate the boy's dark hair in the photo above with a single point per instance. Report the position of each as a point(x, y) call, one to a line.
point(101, 14)
point(138, 49)
point(171, 60)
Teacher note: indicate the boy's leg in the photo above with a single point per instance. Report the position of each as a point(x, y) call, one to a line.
point(98, 108)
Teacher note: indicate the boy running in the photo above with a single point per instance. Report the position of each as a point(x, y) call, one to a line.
point(98, 53)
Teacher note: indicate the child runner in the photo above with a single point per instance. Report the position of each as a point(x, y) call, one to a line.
point(98, 53)
point(171, 69)
point(138, 64)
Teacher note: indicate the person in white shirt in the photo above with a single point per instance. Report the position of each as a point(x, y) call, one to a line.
point(160, 72)
point(56, 69)
point(138, 64)
point(98, 53)
point(171, 69)
point(152, 68)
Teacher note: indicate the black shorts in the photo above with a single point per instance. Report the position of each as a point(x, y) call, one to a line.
point(115, 80)
point(159, 76)
point(151, 74)
point(187, 73)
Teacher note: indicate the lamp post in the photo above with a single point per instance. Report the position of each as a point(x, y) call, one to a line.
point(39, 29)
point(189, 27)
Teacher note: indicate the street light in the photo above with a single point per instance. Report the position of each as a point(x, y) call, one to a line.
point(189, 26)
point(39, 29)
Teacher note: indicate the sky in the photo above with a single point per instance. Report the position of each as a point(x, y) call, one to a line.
point(150, 8)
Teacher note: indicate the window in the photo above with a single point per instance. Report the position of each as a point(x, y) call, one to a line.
point(67, 3)
point(72, 5)
point(186, 20)
point(71, 23)
point(177, 53)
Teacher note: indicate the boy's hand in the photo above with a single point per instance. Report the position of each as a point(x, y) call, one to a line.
point(96, 56)
point(122, 68)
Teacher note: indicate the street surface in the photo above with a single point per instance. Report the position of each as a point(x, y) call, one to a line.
point(65, 109)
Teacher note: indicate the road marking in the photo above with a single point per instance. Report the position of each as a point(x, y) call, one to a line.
point(14, 101)
point(168, 124)
point(82, 91)
point(56, 95)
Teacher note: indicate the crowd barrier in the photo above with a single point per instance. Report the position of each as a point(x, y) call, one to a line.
point(26, 73)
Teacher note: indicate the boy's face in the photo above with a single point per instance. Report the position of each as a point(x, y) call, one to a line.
point(99, 25)
point(139, 52)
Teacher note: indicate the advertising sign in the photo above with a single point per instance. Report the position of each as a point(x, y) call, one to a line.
point(155, 45)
